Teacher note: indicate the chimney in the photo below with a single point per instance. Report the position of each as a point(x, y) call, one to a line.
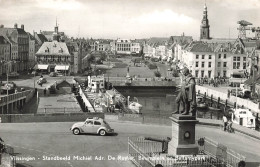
point(15, 25)
point(22, 26)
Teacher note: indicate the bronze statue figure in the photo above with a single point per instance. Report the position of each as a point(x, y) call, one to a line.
point(187, 95)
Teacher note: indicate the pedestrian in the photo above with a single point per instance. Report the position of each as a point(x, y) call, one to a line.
point(225, 121)
point(44, 92)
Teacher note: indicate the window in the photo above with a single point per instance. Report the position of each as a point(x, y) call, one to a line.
point(218, 73)
point(244, 58)
point(209, 56)
point(234, 58)
point(197, 56)
point(203, 56)
point(89, 122)
point(219, 56)
point(244, 65)
point(219, 64)
point(238, 65)
point(224, 73)
point(202, 74)
point(209, 74)
point(225, 56)
point(97, 123)
point(225, 64)
point(196, 74)
point(209, 64)
point(197, 64)
point(234, 65)
point(238, 58)
point(202, 64)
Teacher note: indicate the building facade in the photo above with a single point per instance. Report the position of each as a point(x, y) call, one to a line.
point(20, 37)
point(135, 47)
point(5, 55)
point(123, 46)
point(55, 57)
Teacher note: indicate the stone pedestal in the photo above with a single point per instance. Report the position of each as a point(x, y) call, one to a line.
point(183, 135)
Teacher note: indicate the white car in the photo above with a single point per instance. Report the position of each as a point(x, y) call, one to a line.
point(92, 125)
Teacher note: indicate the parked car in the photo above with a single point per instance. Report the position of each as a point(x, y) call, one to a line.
point(53, 74)
point(13, 75)
point(42, 81)
point(94, 125)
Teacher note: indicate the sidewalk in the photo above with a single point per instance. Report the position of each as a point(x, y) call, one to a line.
point(241, 129)
point(207, 122)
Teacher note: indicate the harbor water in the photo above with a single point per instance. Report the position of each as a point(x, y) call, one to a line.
point(161, 102)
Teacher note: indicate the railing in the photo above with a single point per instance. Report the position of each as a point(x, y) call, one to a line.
point(58, 110)
point(13, 97)
point(232, 99)
point(145, 153)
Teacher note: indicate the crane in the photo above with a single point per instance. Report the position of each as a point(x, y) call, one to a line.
point(243, 27)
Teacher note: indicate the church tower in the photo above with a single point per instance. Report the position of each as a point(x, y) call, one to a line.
point(204, 28)
point(56, 36)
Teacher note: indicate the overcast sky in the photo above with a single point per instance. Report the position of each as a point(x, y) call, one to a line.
point(130, 18)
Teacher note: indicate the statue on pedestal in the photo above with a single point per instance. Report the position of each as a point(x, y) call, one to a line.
point(187, 94)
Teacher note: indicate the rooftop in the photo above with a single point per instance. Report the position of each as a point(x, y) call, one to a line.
point(3, 40)
point(53, 48)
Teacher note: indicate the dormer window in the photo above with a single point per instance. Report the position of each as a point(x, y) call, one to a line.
point(61, 50)
point(47, 50)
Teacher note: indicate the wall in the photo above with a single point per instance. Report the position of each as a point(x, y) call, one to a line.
point(55, 117)
point(86, 101)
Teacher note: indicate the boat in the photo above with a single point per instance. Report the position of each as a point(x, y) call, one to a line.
point(135, 107)
point(200, 103)
point(244, 117)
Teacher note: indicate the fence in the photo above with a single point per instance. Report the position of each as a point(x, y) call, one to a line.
point(7, 156)
point(59, 110)
point(13, 97)
point(53, 117)
point(145, 153)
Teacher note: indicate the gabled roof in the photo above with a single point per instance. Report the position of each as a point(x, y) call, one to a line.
point(156, 41)
point(198, 46)
point(3, 40)
point(42, 38)
point(30, 36)
point(53, 48)
point(182, 40)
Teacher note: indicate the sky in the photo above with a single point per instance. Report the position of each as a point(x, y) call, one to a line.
point(132, 19)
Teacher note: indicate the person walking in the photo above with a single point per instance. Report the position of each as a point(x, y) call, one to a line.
point(225, 121)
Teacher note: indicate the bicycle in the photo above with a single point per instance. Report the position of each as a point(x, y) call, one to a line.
point(229, 128)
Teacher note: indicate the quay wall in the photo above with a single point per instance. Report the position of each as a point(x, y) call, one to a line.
point(86, 101)
point(232, 99)
point(54, 117)
point(140, 83)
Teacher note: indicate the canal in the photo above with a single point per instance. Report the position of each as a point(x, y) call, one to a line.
point(160, 102)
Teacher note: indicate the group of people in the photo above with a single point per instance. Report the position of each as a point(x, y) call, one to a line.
point(227, 126)
point(214, 82)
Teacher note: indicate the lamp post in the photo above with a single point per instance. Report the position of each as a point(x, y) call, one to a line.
point(7, 86)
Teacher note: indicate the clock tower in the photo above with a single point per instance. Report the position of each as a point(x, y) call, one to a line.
point(204, 28)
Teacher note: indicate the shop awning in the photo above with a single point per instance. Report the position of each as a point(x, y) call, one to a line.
point(41, 66)
point(59, 67)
